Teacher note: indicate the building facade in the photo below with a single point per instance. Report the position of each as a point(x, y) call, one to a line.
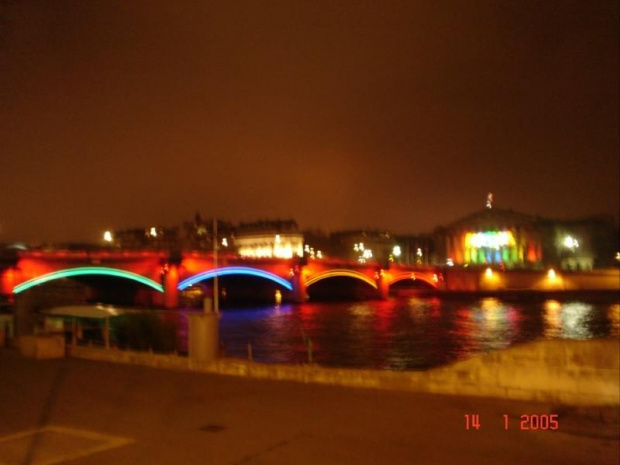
point(499, 237)
point(155, 238)
point(269, 239)
point(364, 246)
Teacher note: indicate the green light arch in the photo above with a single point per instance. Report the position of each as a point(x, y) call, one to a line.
point(84, 271)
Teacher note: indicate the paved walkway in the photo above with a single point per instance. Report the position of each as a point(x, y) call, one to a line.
point(102, 413)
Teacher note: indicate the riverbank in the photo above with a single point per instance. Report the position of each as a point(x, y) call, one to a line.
point(99, 413)
point(509, 281)
point(559, 371)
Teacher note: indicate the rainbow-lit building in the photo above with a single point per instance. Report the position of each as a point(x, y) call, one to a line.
point(499, 237)
point(492, 236)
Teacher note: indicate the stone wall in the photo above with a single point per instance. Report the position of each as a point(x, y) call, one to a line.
point(564, 371)
point(530, 280)
point(561, 371)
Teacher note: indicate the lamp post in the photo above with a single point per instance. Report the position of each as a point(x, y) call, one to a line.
point(216, 294)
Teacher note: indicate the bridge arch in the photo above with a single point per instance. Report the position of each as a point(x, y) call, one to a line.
point(341, 273)
point(412, 276)
point(235, 270)
point(85, 271)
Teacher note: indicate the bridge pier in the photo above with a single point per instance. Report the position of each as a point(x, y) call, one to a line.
point(25, 319)
point(171, 291)
point(299, 294)
point(9, 279)
point(383, 285)
point(157, 299)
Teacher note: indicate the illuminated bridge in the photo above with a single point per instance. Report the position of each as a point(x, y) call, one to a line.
point(164, 276)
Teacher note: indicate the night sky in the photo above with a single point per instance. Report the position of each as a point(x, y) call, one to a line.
point(340, 114)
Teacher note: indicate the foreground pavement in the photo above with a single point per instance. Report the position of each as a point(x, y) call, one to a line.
point(89, 412)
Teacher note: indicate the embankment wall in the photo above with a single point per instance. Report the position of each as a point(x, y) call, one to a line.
point(477, 280)
point(560, 371)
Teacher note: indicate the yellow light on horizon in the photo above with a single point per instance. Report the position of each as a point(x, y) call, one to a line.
point(551, 273)
point(488, 273)
point(107, 236)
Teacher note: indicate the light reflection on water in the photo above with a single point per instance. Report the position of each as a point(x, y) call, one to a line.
point(570, 320)
point(406, 333)
point(614, 316)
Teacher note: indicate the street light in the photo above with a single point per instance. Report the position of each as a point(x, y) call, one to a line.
point(216, 297)
point(570, 243)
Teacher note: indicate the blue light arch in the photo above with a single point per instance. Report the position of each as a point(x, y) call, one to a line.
point(235, 270)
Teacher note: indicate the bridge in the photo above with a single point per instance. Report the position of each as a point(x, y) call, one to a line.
point(164, 275)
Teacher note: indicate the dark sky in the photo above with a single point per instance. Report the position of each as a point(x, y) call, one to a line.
point(341, 114)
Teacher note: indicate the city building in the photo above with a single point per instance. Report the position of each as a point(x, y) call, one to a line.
point(154, 237)
point(198, 234)
point(509, 239)
point(581, 244)
point(491, 236)
point(364, 246)
point(488, 237)
point(412, 250)
point(318, 245)
point(269, 239)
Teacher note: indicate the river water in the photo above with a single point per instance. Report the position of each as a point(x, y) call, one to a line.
point(404, 333)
